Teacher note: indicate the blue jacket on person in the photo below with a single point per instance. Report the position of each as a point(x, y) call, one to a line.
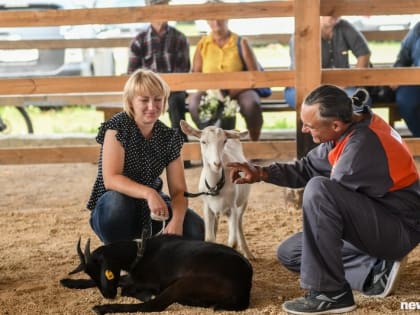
point(408, 96)
point(409, 55)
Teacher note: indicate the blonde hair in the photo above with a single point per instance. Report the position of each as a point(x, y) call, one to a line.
point(144, 82)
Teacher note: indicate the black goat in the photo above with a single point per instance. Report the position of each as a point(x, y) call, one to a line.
point(166, 269)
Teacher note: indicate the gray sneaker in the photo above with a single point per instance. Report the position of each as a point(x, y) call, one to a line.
point(316, 302)
point(385, 278)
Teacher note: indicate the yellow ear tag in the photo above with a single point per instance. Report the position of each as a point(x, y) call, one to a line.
point(109, 275)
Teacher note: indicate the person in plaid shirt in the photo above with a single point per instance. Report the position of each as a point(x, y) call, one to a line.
point(163, 49)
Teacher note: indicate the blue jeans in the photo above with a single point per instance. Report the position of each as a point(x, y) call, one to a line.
point(408, 101)
point(118, 217)
point(290, 95)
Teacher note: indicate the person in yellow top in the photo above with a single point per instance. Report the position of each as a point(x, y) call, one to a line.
point(219, 52)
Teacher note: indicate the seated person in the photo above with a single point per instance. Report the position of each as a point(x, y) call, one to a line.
point(338, 36)
point(218, 52)
point(408, 96)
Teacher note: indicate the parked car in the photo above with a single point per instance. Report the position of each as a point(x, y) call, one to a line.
point(125, 30)
point(115, 60)
point(121, 29)
point(44, 62)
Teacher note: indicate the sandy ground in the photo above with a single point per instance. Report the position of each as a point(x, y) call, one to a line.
point(43, 214)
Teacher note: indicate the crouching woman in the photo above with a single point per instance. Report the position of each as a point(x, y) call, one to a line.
point(136, 147)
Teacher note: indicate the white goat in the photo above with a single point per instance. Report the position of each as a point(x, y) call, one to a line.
point(219, 194)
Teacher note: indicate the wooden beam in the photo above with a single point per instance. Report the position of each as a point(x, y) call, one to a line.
point(176, 81)
point(262, 39)
point(56, 154)
point(307, 62)
point(281, 150)
point(269, 150)
point(102, 99)
point(371, 77)
point(206, 11)
point(61, 99)
point(370, 7)
point(273, 150)
point(203, 81)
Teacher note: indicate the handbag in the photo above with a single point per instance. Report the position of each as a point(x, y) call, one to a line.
point(381, 93)
point(264, 91)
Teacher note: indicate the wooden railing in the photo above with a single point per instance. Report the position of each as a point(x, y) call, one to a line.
point(284, 150)
point(262, 39)
point(307, 74)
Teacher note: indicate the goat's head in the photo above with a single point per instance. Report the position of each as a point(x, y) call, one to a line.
point(212, 142)
point(101, 269)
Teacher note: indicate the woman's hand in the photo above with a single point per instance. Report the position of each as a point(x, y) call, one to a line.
point(156, 204)
point(174, 227)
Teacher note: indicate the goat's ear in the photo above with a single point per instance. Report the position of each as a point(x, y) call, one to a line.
point(233, 134)
point(189, 130)
point(243, 134)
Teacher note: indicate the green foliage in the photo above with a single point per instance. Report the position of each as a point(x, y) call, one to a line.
point(70, 119)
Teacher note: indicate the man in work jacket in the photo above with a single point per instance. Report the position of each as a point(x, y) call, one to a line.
point(361, 203)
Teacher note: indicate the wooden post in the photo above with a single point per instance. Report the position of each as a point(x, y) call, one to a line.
point(307, 61)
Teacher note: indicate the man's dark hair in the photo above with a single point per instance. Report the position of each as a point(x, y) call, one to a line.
point(334, 102)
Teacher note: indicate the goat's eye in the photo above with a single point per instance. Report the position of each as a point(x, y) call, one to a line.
point(203, 142)
point(224, 142)
point(109, 274)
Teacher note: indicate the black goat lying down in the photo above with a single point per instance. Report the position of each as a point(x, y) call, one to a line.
point(166, 269)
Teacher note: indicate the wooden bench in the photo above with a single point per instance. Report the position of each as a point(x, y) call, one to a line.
point(274, 103)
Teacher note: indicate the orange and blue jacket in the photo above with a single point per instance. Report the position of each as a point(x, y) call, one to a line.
point(370, 158)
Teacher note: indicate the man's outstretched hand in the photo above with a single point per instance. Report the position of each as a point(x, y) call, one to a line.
point(243, 173)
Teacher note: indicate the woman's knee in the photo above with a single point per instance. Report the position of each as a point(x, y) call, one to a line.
point(115, 217)
point(193, 104)
point(249, 104)
point(113, 204)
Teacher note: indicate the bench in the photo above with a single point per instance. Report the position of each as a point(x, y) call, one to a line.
point(273, 103)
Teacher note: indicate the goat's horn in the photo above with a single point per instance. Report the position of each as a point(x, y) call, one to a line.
point(82, 264)
point(87, 250)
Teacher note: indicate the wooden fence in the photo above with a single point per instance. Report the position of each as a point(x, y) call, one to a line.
point(307, 74)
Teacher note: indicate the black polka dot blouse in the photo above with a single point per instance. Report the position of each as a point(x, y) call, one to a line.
point(145, 159)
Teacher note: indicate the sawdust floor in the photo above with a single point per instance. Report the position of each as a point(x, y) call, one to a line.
point(43, 214)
